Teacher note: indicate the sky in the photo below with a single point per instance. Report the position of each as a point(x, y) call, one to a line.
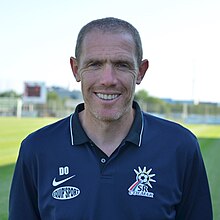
point(181, 40)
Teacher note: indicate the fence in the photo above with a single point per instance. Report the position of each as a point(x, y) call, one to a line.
point(15, 107)
point(202, 113)
point(188, 113)
point(8, 106)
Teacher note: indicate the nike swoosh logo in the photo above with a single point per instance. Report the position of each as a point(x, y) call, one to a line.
point(57, 183)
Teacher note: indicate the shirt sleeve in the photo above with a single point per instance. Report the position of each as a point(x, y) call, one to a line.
point(23, 194)
point(196, 200)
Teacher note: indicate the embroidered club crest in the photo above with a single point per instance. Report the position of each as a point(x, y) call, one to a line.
point(144, 178)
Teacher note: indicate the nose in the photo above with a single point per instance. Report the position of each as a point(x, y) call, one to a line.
point(108, 76)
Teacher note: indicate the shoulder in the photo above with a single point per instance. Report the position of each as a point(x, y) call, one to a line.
point(160, 123)
point(169, 133)
point(46, 137)
point(50, 129)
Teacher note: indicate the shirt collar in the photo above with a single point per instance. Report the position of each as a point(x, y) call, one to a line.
point(136, 131)
point(78, 135)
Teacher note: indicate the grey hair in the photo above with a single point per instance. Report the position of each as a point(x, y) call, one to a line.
point(110, 24)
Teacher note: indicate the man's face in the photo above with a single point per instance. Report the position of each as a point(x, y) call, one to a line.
point(108, 71)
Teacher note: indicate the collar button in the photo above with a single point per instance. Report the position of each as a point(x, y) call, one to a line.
point(103, 160)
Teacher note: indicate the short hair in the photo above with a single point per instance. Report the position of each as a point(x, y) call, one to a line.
point(110, 24)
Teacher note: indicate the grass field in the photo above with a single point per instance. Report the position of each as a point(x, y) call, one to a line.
point(13, 130)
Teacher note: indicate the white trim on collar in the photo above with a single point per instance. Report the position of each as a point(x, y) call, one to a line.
point(71, 129)
point(142, 129)
point(140, 137)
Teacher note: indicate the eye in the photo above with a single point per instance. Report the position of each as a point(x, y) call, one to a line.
point(95, 64)
point(122, 65)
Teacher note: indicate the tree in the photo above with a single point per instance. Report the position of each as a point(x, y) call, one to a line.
point(52, 96)
point(150, 103)
point(9, 93)
point(141, 95)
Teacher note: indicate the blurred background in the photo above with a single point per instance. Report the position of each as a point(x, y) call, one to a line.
point(180, 39)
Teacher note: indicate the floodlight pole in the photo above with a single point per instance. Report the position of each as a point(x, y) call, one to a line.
point(19, 108)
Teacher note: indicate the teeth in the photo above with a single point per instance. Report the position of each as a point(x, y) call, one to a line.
point(106, 96)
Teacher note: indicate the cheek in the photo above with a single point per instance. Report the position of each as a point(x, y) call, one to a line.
point(86, 77)
point(129, 81)
point(87, 82)
point(84, 85)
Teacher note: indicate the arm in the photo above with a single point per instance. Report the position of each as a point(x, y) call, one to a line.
point(23, 202)
point(196, 201)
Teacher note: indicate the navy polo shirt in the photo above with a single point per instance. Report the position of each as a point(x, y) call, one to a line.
point(156, 173)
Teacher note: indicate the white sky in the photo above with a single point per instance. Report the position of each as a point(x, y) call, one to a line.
point(181, 40)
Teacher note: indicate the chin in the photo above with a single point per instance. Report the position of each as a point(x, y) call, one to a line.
point(111, 115)
point(108, 118)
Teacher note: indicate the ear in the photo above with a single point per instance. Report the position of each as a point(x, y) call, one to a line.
point(142, 70)
point(74, 67)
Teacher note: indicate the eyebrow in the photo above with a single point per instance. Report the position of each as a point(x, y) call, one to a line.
point(113, 60)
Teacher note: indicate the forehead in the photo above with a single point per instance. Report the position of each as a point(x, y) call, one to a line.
point(98, 43)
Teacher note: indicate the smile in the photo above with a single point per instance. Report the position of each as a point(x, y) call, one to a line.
point(107, 96)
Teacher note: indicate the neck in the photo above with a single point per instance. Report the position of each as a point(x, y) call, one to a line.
point(107, 135)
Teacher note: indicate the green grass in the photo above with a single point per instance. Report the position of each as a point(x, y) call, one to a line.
point(5, 181)
point(13, 130)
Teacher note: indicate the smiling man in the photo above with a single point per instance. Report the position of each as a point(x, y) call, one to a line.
point(109, 160)
point(108, 69)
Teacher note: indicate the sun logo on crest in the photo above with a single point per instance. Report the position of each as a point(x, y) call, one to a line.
point(144, 178)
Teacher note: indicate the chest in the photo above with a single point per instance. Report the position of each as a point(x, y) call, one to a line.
point(131, 184)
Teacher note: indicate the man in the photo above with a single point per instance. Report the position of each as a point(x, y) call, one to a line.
point(110, 160)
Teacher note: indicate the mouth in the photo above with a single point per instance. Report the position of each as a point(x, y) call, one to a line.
point(107, 97)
